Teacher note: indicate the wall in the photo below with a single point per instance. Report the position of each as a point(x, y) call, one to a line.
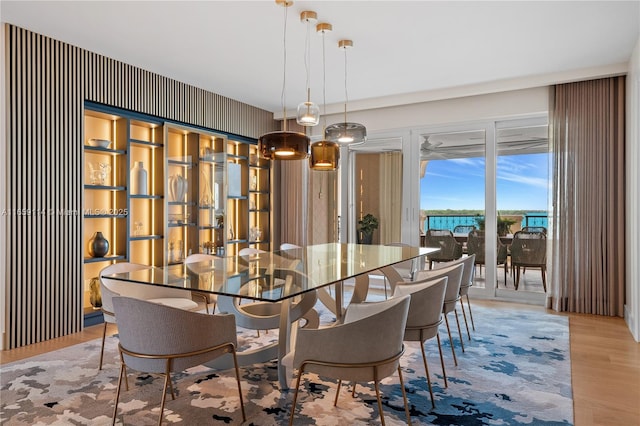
point(46, 85)
point(632, 306)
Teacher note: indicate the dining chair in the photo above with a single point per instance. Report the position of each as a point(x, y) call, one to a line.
point(111, 288)
point(476, 245)
point(529, 249)
point(534, 229)
point(450, 249)
point(289, 246)
point(452, 296)
point(210, 299)
point(424, 317)
point(465, 284)
point(160, 339)
point(351, 351)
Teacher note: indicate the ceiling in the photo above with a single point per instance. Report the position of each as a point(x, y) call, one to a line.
point(235, 48)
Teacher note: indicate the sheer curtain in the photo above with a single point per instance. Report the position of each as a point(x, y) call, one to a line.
point(587, 231)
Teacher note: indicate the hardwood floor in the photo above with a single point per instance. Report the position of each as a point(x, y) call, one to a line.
point(605, 364)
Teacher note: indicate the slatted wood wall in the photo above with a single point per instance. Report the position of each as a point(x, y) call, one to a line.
point(47, 82)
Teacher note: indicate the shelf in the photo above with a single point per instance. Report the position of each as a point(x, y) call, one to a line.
point(238, 197)
point(146, 237)
point(104, 259)
point(217, 161)
point(237, 241)
point(145, 143)
point(106, 187)
point(146, 197)
point(99, 149)
point(259, 192)
point(182, 203)
point(255, 166)
point(179, 163)
point(258, 210)
point(237, 157)
point(210, 227)
point(180, 225)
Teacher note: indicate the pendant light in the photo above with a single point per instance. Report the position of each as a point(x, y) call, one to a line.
point(284, 145)
point(324, 154)
point(346, 133)
point(308, 112)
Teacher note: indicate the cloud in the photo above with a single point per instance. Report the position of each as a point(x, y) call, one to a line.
point(539, 182)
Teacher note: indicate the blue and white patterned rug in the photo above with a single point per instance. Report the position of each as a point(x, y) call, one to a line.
point(515, 371)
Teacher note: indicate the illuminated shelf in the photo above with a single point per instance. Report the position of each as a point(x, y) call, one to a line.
point(101, 150)
point(104, 259)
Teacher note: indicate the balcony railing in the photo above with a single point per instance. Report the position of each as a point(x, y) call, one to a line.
point(441, 221)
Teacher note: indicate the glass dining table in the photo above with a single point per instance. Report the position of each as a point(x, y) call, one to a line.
point(283, 285)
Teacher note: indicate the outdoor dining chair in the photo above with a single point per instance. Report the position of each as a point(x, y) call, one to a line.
point(529, 249)
point(443, 239)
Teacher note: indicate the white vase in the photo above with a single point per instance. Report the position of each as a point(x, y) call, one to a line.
point(138, 179)
point(177, 188)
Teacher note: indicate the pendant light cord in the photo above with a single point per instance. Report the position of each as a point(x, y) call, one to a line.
point(324, 86)
point(346, 93)
point(283, 98)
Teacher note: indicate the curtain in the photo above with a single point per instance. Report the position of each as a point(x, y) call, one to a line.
point(587, 248)
point(290, 187)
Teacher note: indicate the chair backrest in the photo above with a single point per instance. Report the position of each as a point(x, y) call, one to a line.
point(248, 251)
point(152, 329)
point(199, 257)
point(425, 308)
point(454, 275)
point(476, 246)
point(111, 288)
point(529, 248)
point(408, 268)
point(443, 239)
point(463, 229)
point(289, 246)
point(535, 229)
point(468, 263)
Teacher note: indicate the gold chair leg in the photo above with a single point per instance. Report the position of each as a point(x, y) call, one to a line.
point(167, 381)
point(375, 383)
point(404, 396)
point(335, 401)
point(104, 335)
point(353, 391)
point(444, 372)
point(544, 277)
point(473, 326)
point(235, 364)
point(295, 397)
point(464, 315)
point(115, 408)
point(453, 350)
point(455, 311)
point(173, 395)
point(426, 369)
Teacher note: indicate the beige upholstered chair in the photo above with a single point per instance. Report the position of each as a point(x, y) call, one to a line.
point(110, 288)
point(454, 274)
point(465, 285)
point(161, 339)
point(210, 299)
point(450, 249)
point(289, 246)
point(425, 316)
point(351, 351)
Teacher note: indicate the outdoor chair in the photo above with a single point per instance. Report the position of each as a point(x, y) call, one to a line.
point(111, 288)
point(529, 249)
point(534, 229)
point(443, 239)
point(463, 229)
point(425, 316)
point(476, 246)
point(161, 340)
point(351, 351)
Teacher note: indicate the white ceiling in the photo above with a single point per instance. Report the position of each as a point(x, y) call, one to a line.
point(235, 48)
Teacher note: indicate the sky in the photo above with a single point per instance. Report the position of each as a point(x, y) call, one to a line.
point(522, 183)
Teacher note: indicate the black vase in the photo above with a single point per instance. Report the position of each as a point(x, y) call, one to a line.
point(365, 237)
point(98, 245)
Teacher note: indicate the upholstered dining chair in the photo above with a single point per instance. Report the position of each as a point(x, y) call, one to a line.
point(465, 285)
point(425, 316)
point(529, 249)
point(110, 288)
point(351, 351)
point(450, 249)
point(161, 339)
point(289, 246)
point(452, 296)
point(210, 299)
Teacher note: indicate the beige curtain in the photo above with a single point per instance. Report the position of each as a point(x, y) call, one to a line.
point(289, 197)
point(587, 230)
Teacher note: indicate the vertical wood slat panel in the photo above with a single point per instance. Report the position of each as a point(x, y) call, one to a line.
point(47, 84)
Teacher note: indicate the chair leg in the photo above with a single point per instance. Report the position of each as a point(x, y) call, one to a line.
point(235, 365)
point(455, 311)
point(375, 383)
point(473, 326)
point(295, 397)
point(453, 350)
point(464, 315)
point(353, 391)
point(404, 396)
point(426, 369)
point(167, 382)
point(115, 408)
point(104, 335)
point(444, 371)
point(544, 277)
point(173, 395)
point(335, 401)
point(517, 277)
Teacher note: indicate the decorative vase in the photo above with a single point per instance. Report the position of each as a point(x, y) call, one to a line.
point(95, 296)
point(138, 179)
point(98, 245)
point(177, 188)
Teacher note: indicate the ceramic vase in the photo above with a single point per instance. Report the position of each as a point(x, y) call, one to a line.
point(177, 188)
point(98, 245)
point(138, 179)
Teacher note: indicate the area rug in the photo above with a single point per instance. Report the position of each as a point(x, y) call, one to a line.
point(515, 371)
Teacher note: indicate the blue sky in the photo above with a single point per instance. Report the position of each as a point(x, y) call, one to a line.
point(522, 183)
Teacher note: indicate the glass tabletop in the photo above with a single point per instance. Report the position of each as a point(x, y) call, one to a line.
point(277, 275)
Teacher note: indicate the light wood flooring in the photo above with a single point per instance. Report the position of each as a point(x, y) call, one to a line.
point(605, 365)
